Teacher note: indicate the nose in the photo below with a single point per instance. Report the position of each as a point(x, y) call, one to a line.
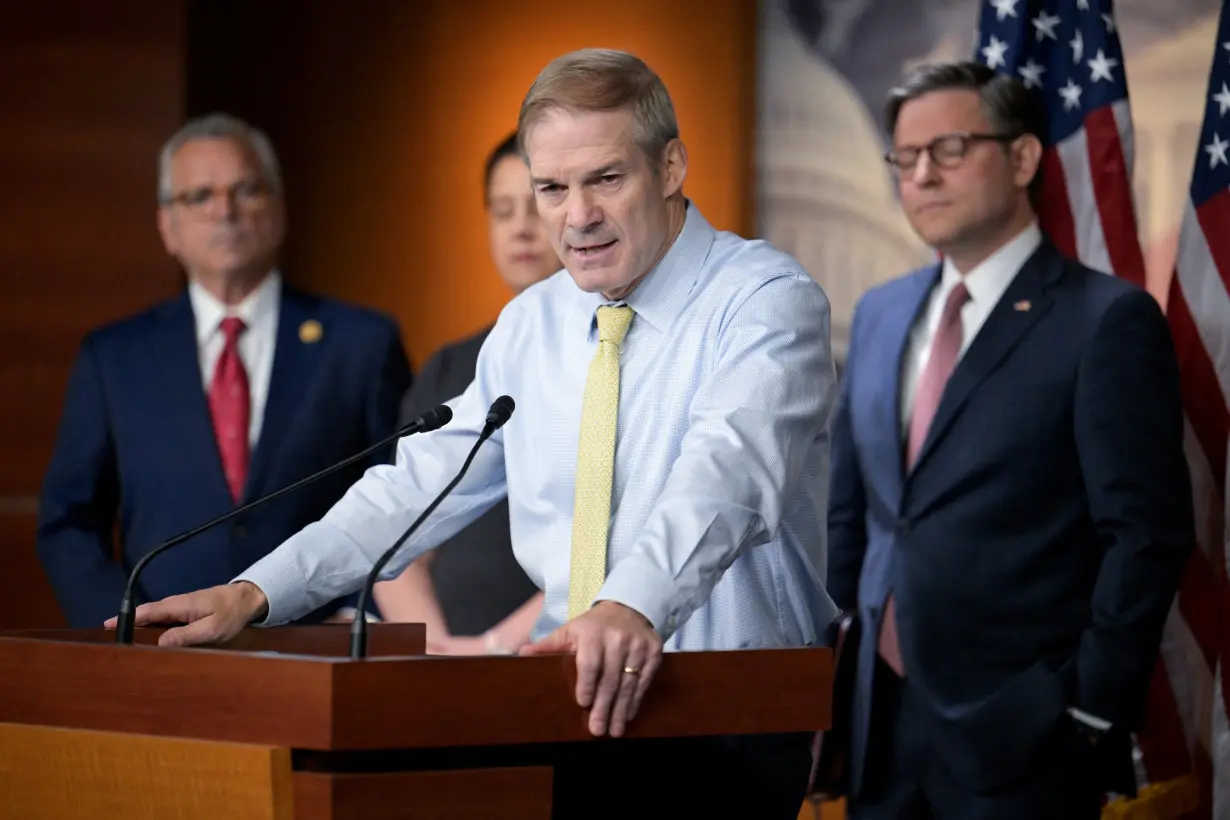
point(222, 205)
point(583, 212)
point(525, 225)
point(925, 173)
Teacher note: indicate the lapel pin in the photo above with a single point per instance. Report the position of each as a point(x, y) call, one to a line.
point(310, 331)
point(1022, 306)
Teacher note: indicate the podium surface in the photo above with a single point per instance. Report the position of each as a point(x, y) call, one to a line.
point(279, 723)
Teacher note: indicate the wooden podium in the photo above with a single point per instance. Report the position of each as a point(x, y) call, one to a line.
point(280, 724)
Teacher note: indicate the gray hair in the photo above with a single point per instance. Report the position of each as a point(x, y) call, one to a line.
point(599, 79)
point(219, 126)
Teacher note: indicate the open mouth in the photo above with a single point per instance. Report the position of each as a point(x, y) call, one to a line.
point(592, 250)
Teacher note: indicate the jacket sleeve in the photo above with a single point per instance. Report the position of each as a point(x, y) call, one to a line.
point(847, 514)
point(79, 502)
point(1129, 435)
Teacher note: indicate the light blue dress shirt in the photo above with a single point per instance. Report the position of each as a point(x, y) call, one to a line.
point(718, 526)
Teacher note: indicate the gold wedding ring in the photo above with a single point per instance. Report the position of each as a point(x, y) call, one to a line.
point(631, 670)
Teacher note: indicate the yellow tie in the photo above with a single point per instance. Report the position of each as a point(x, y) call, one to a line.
point(591, 518)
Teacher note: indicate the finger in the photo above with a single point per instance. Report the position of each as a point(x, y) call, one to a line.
point(589, 667)
point(614, 652)
point(621, 711)
point(555, 643)
point(111, 622)
point(648, 669)
point(171, 610)
point(204, 630)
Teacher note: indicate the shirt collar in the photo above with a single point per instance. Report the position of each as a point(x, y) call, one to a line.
point(259, 306)
point(988, 280)
point(664, 292)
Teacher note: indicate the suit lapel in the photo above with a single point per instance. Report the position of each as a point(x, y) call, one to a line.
point(899, 323)
point(183, 387)
point(294, 359)
point(1023, 304)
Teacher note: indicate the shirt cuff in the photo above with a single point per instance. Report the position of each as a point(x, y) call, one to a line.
point(283, 587)
point(1096, 722)
point(639, 584)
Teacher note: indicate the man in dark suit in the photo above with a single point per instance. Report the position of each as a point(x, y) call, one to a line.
point(238, 387)
point(1010, 503)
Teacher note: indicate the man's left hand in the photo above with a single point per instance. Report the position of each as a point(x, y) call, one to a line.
point(618, 651)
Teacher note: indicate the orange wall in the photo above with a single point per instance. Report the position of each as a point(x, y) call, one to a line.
point(386, 138)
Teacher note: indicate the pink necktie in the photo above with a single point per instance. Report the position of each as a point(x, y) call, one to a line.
point(230, 407)
point(944, 349)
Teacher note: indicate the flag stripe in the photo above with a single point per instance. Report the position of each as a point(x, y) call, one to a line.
point(1163, 744)
point(1220, 752)
point(1056, 217)
point(1083, 199)
point(1200, 385)
point(1213, 215)
point(1109, 169)
point(1198, 602)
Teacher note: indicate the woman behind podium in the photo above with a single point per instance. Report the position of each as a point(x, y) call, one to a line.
point(470, 591)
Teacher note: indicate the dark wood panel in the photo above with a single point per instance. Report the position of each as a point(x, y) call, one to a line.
point(90, 91)
point(456, 703)
point(523, 793)
point(315, 703)
point(208, 694)
point(26, 601)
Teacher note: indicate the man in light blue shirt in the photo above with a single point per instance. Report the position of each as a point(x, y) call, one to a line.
point(719, 488)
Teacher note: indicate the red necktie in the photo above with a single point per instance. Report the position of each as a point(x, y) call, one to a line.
point(230, 407)
point(944, 349)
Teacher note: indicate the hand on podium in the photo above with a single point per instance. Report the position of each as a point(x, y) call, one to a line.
point(618, 651)
point(210, 615)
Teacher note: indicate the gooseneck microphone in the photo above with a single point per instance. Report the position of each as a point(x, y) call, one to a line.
point(499, 414)
point(431, 420)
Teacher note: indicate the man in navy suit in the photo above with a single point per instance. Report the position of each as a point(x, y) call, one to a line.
point(1010, 503)
point(235, 389)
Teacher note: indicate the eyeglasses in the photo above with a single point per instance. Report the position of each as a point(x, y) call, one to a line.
point(946, 151)
point(248, 194)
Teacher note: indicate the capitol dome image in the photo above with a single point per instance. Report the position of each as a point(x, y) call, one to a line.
point(824, 191)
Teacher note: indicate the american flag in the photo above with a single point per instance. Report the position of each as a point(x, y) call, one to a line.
point(1069, 53)
point(1198, 307)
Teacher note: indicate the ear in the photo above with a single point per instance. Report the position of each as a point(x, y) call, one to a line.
point(167, 229)
point(674, 167)
point(1026, 158)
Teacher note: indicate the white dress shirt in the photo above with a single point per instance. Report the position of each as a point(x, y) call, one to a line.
point(259, 312)
point(720, 485)
point(986, 283)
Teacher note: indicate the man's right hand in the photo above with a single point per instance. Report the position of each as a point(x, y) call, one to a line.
point(211, 615)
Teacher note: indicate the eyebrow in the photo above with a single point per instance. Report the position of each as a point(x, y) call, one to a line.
point(609, 168)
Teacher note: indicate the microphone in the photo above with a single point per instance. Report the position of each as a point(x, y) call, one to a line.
point(431, 420)
point(499, 414)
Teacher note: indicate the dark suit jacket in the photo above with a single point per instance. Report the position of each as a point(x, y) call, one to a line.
point(475, 575)
point(1035, 547)
point(136, 447)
